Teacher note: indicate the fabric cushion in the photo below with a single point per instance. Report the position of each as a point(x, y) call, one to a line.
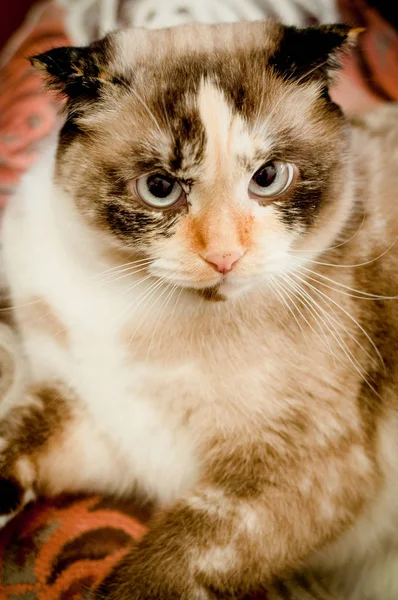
point(61, 549)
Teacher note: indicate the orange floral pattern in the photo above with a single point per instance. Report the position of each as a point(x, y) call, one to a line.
point(61, 550)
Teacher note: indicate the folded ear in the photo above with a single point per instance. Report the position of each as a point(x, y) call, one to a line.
point(75, 72)
point(313, 52)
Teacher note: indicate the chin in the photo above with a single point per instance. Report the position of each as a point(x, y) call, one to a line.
point(221, 289)
point(232, 289)
point(221, 292)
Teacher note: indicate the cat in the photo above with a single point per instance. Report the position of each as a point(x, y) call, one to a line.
point(203, 274)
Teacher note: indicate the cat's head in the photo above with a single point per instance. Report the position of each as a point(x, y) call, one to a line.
point(215, 151)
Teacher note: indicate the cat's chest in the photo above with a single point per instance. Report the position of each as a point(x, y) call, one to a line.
point(144, 409)
point(125, 386)
point(156, 413)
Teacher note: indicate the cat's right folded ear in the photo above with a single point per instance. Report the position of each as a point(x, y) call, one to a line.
point(313, 52)
point(77, 73)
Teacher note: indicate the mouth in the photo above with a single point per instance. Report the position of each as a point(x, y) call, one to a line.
point(218, 288)
point(185, 282)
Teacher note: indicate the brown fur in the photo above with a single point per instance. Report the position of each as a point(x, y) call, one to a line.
point(27, 433)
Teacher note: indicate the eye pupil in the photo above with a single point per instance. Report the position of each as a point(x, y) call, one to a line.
point(160, 186)
point(266, 175)
point(271, 180)
point(158, 190)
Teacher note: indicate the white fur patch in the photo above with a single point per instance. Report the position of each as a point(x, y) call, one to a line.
point(213, 501)
point(219, 559)
point(227, 137)
point(6, 519)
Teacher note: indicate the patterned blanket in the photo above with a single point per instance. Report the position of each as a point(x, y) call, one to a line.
point(61, 550)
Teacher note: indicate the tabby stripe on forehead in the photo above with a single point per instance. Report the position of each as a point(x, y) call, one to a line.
point(187, 130)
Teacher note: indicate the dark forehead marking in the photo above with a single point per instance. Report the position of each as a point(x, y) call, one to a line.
point(189, 141)
point(143, 162)
point(237, 74)
point(175, 89)
point(244, 75)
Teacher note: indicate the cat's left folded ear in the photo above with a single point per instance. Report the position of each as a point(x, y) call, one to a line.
point(313, 53)
point(76, 72)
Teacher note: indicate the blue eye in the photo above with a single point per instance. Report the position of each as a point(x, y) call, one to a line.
point(159, 191)
point(272, 179)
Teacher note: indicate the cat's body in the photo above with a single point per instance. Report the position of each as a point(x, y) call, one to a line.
point(265, 428)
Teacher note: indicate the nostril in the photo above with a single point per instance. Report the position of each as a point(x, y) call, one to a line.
point(223, 262)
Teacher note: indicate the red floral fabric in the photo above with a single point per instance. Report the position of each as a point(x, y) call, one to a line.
point(60, 550)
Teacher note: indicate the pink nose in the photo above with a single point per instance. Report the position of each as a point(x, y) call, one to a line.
point(223, 263)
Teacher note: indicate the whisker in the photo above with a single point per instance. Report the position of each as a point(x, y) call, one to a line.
point(150, 113)
point(176, 303)
point(279, 293)
point(140, 296)
point(12, 307)
point(136, 283)
point(144, 293)
point(131, 263)
point(127, 273)
point(165, 304)
point(368, 262)
point(319, 293)
point(364, 296)
point(298, 294)
point(151, 294)
point(289, 290)
point(315, 68)
point(333, 247)
point(343, 345)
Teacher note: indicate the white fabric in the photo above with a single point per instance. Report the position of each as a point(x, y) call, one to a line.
point(88, 19)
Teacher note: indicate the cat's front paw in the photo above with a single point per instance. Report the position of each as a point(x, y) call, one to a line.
point(16, 488)
point(141, 577)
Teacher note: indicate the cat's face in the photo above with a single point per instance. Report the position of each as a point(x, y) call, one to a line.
point(212, 150)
